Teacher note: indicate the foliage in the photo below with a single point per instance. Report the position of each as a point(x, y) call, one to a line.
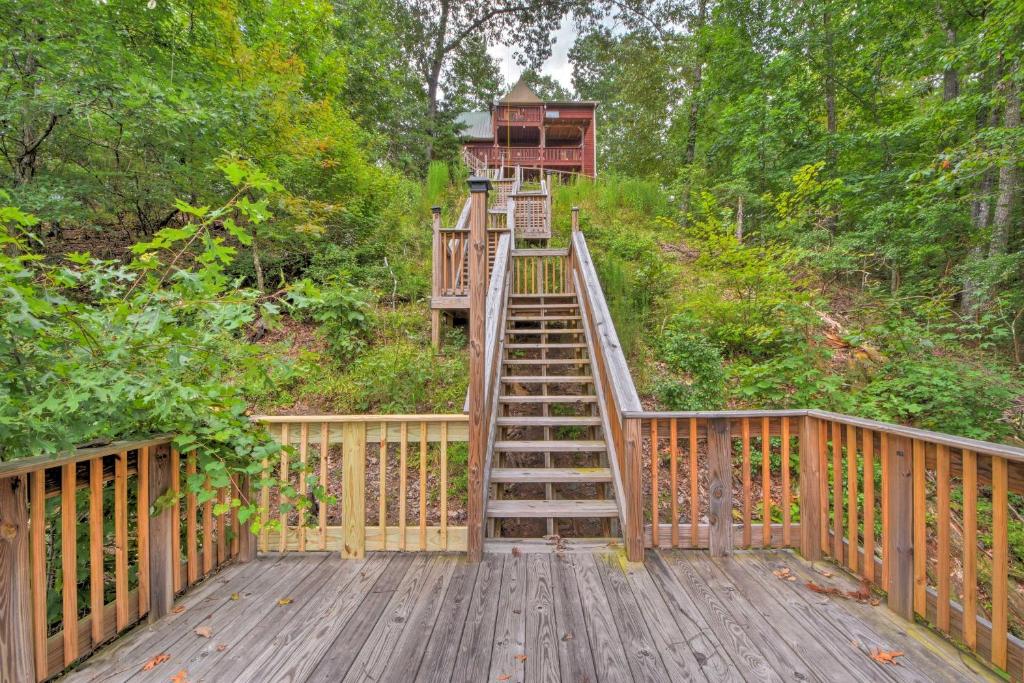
point(344, 315)
point(688, 352)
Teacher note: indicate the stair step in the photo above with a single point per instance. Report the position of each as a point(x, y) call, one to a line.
point(548, 379)
point(550, 446)
point(542, 318)
point(546, 295)
point(555, 544)
point(550, 330)
point(546, 361)
point(538, 345)
point(542, 307)
point(548, 399)
point(552, 475)
point(549, 421)
point(552, 508)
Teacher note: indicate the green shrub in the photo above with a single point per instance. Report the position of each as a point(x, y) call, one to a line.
point(345, 317)
point(694, 356)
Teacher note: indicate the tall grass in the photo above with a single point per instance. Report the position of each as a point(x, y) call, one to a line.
point(438, 180)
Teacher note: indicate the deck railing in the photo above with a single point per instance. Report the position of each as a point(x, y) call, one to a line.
point(317, 491)
point(55, 606)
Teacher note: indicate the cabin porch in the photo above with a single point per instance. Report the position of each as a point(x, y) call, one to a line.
point(535, 614)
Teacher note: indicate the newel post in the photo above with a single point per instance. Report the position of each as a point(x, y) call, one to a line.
point(810, 488)
point(575, 219)
point(437, 276)
point(633, 483)
point(899, 494)
point(720, 487)
point(16, 662)
point(478, 188)
point(163, 550)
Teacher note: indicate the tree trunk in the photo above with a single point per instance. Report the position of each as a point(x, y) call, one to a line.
point(1002, 218)
point(739, 219)
point(950, 77)
point(433, 76)
point(693, 118)
point(257, 265)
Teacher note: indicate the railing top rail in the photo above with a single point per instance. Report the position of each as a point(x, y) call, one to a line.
point(1013, 453)
point(14, 468)
point(622, 381)
point(540, 252)
point(426, 417)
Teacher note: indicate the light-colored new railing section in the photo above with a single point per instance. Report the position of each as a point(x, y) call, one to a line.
point(615, 391)
point(533, 212)
point(60, 606)
point(357, 483)
point(540, 271)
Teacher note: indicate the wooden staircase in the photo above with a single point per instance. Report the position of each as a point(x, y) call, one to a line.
point(550, 473)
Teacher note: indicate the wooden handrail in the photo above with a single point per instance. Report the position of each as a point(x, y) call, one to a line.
point(145, 542)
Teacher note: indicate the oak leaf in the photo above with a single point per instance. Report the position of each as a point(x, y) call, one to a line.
point(156, 661)
point(180, 677)
point(885, 656)
point(204, 631)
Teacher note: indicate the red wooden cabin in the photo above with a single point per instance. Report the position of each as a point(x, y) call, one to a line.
point(523, 130)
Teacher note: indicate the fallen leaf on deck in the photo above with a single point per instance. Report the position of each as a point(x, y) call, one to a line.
point(284, 601)
point(204, 631)
point(180, 677)
point(567, 637)
point(516, 552)
point(155, 662)
point(784, 574)
point(504, 677)
point(825, 590)
point(885, 656)
point(178, 610)
point(874, 602)
point(235, 596)
point(826, 573)
point(520, 658)
point(863, 593)
point(221, 647)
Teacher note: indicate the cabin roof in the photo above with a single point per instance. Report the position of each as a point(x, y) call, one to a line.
point(475, 125)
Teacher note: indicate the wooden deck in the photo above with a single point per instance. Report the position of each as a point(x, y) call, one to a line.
point(526, 616)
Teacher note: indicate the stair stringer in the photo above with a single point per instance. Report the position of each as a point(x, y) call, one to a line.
point(602, 408)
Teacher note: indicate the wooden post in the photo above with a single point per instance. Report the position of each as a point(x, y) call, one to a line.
point(810, 489)
point(633, 483)
point(720, 487)
point(247, 539)
point(15, 586)
point(899, 494)
point(436, 278)
point(353, 491)
point(163, 548)
point(575, 219)
point(478, 188)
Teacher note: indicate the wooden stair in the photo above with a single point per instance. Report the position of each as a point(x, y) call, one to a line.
point(550, 456)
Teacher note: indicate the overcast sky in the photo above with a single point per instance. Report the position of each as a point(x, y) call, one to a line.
point(557, 66)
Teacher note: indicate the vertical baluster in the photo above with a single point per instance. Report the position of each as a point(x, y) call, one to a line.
point(942, 528)
point(121, 539)
point(1000, 561)
point(920, 532)
point(325, 438)
point(868, 438)
point(444, 486)
point(674, 477)
point(303, 478)
point(970, 599)
point(142, 530)
point(886, 474)
point(37, 557)
point(402, 476)
point(382, 500)
point(69, 560)
point(96, 549)
point(265, 506)
point(823, 483)
point(837, 492)
point(766, 483)
point(191, 522)
point(787, 540)
point(851, 497)
point(176, 577)
point(236, 526)
point(208, 542)
point(423, 486)
point(222, 527)
point(747, 496)
point(655, 517)
point(694, 481)
point(282, 498)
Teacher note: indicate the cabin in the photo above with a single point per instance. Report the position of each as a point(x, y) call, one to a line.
point(554, 529)
point(538, 136)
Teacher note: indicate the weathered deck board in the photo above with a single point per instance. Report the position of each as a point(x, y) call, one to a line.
point(527, 617)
